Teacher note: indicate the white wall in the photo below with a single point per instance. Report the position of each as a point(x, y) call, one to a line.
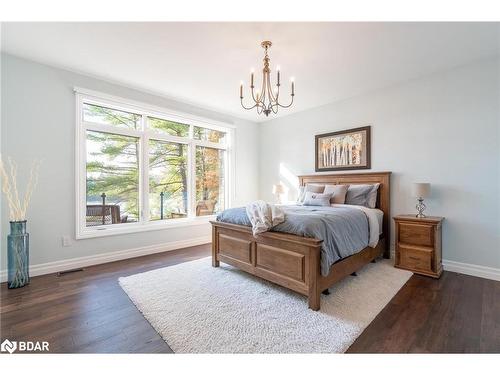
point(38, 121)
point(443, 129)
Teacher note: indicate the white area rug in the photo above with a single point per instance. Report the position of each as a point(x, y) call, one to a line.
point(200, 309)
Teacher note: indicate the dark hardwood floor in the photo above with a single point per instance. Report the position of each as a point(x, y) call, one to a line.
point(89, 312)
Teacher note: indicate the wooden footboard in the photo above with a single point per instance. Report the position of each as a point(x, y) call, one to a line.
point(284, 259)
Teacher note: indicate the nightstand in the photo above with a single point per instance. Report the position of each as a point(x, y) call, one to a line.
point(418, 244)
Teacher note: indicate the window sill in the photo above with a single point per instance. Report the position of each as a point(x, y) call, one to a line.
point(117, 229)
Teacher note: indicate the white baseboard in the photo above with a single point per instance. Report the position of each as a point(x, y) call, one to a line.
point(68, 264)
point(62, 265)
point(468, 269)
point(472, 269)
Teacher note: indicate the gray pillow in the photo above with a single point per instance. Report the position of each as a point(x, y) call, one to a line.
point(316, 199)
point(338, 193)
point(362, 195)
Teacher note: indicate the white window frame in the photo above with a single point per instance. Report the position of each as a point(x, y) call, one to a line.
point(144, 135)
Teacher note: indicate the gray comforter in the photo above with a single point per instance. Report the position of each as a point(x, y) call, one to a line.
point(344, 230)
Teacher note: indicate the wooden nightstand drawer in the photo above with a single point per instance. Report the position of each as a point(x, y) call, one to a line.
point(414, 258)
point(418, 244)
point(416, 234)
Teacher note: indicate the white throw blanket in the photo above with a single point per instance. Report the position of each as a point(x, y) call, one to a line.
point(264, 216)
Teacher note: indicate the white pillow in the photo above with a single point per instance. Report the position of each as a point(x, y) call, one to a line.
point(302, 192)
point(372, 196)
point(317, 199)
point(313, 188)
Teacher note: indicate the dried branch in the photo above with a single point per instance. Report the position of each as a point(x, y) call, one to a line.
point(17, 210)
point(35, 167)
point(6, 188)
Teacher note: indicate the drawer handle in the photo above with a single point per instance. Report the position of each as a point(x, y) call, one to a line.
point(414, 258)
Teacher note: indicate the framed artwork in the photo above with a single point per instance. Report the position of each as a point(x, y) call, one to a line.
point(343, 150)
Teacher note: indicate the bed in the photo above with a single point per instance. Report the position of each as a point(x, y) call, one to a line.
point(293, 261)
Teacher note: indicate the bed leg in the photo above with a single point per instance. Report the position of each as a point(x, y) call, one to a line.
point(215, 262)
point(326, 292)
point(314, 303)
point(314, 291)
point(354, 274)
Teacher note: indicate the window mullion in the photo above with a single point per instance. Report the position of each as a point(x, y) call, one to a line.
point(192, 174)
point(210, 144)
point(103, 128)
point(228, 168)
point(144, 173)
point(166, 138)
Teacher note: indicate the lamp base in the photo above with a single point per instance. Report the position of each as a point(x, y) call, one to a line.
point(420, 208)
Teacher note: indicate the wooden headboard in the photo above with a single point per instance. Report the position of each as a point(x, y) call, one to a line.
point(384, 191)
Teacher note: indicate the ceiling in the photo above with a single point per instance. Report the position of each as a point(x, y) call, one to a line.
point(203, 63)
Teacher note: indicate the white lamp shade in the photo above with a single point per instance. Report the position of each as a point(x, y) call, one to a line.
point(278, 189)
point(421, 189)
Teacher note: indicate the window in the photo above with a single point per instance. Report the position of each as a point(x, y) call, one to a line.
point(108, 116)
point(209, 180)
point(143, 168)
point(168, 180)
point(112, 179)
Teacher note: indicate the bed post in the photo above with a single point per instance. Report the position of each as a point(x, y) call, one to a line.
point(215, 262)
point(385, 205)
point(314, 294)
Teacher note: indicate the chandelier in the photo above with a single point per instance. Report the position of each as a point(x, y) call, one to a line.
point(266, 99)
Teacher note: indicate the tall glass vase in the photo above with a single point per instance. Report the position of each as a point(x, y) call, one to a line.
point(18, 255)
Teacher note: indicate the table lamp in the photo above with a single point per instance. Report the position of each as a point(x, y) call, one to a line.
point(420, 191)
point(278, 189)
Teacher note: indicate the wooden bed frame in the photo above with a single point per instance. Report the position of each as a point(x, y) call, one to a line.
point(294, 261)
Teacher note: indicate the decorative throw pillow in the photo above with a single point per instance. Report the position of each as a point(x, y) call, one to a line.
point(313, 188)
point(362, 195)
point(317, 199)
point(338, 193)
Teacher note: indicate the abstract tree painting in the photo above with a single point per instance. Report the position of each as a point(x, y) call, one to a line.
point(343, 150)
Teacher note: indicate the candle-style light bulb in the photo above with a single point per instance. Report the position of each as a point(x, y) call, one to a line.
point(278, 71)
point(293, 86)
point(241, 89)
point(251, 71)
